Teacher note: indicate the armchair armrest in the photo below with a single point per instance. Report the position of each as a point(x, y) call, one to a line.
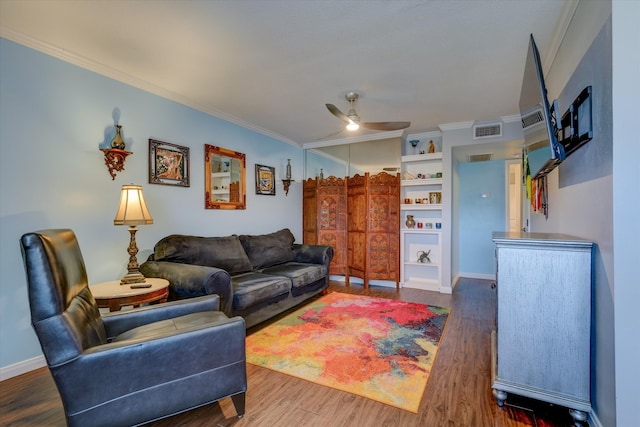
point(119, 321)
point(189, 280)
point(314, 254)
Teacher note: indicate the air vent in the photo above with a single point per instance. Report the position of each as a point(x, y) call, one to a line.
point(532, 119)
point(480, 157)
point(487, 131)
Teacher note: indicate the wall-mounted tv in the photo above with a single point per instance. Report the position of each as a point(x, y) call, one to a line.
point(538, 120)
point(547, 140)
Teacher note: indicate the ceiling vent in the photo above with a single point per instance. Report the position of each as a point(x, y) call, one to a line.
point(487, 131)
point(532, 119)
point(480, 157)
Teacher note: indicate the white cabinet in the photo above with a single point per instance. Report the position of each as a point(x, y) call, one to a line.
point(541, 348)
point(421, 197)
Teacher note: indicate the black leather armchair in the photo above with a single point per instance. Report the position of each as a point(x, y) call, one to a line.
point(132, 367)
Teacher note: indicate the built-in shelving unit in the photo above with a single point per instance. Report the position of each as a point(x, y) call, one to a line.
point(421, 197)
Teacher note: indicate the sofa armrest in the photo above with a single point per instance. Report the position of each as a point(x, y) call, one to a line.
point(119, 321)
point(313, 254)
point(188, 281)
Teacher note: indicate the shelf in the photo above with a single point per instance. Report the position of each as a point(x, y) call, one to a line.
point(421, 157)
point(416, 182)
point(220, 191)
point(420, 207)
point(420, 231)
point(422, 264)
point(220, 175)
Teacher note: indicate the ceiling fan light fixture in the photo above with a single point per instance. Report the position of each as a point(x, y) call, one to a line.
point(352, 119)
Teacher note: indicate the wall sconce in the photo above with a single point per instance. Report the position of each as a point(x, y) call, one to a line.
point(132, 211)
point(115, 156)
point(287, 181)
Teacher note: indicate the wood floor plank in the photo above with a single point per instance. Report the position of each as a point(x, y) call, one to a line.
point(458, 393)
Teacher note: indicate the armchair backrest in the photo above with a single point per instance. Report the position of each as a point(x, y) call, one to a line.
point(64, 313)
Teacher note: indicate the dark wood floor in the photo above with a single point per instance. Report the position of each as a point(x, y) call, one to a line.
point(458, 392)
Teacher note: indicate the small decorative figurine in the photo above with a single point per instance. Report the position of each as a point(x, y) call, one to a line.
point(410, 221)
point(432, 148)
point(117, 142)
point(424, 257)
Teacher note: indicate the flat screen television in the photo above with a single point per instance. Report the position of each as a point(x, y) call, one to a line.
point(548, 140)
point(539, 118)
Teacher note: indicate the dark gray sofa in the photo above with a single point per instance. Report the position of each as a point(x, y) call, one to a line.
point(256, 276)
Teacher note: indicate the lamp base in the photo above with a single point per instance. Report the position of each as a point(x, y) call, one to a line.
point(131, 278)
point(133, 275)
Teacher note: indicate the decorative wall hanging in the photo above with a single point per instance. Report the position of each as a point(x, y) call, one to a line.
point(265, 180)
point(286, 183)
point(224, 178)
point(168, 164)
point(115, 156)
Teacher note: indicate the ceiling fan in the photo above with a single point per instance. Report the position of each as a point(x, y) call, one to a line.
point(353, 119)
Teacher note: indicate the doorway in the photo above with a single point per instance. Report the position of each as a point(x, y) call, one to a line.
point(515, 215)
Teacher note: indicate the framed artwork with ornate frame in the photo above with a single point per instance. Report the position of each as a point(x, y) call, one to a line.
point(224, 178)
point(265, 180)
point(168, 164)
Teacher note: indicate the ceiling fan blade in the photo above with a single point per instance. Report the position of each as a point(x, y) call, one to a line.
point(336, 112)
point(386, 125)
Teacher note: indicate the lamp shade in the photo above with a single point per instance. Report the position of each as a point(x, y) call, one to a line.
point(132, 209)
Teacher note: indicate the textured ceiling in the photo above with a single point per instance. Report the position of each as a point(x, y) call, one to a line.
point(272, 65)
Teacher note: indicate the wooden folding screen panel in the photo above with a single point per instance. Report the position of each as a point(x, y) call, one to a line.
point(373, 227)
point(325, 218)
point(309, 212)
point(358, 206)
point(383, 228)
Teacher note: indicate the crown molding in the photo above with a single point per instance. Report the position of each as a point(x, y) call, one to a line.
point(456, 126)
point(512, 118)
point(425, 135)
point(559, 32)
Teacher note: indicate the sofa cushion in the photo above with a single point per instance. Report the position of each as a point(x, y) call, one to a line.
point(251, 289)
point(268, 249)
point(222, 252)
point(300, 274)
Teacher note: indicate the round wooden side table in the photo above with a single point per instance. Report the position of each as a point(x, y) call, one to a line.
point(114, 296)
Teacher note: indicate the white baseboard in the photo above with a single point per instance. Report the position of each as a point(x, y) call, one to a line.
point(476, 276)
point(23, 367)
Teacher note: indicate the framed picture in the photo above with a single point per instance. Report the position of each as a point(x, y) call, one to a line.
point(265, 180)
point(168, 164)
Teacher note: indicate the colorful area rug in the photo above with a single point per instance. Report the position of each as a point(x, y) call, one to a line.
point(377, 348)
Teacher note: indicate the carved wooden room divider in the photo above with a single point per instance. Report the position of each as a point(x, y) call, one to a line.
point(324, 213)
point(359, 218)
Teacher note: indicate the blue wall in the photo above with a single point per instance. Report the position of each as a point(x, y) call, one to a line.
point(53, 118)
point(478, 217)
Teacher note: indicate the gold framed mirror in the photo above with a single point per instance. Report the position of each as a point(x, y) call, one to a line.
point(224, 177)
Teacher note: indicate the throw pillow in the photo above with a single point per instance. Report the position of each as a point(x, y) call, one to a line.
point(222, 252)
point(268, 249)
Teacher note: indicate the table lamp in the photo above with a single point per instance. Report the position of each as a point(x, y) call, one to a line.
point(132, 212)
